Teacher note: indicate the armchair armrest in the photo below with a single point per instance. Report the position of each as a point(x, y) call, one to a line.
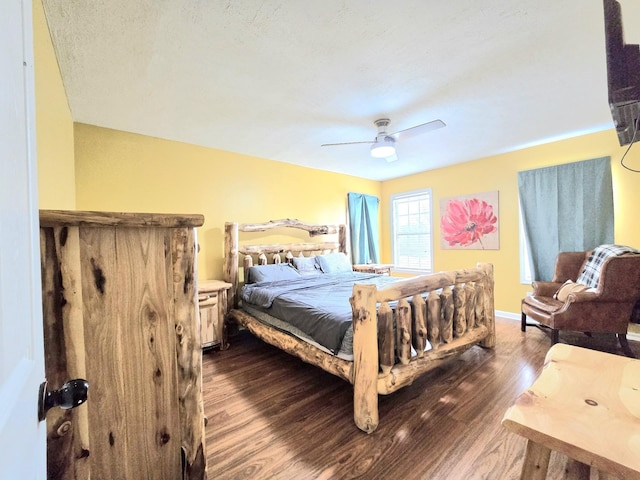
point(580, 298)
point(545, 289)
point(577, 297)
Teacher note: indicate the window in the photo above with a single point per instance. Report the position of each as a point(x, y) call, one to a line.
point(411, 233)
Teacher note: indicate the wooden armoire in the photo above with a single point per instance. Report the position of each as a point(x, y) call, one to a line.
point(120, 310)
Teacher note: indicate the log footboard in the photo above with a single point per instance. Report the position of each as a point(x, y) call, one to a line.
point(457, 314)
point(451, 323)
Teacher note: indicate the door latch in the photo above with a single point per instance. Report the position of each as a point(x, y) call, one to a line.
point(70, 395)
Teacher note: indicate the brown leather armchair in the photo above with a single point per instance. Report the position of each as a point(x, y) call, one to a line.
point(605, 309)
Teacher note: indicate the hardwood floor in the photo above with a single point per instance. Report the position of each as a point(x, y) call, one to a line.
point(271, 416)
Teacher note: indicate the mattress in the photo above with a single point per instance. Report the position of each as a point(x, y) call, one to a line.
point(346, 347)
point(316, 306)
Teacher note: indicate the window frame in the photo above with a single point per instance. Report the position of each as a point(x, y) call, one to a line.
point(526, 278)
point(397, 267)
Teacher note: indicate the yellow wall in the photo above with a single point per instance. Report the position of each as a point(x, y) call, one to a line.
point(500, 173)
point(54, 125)
point(119, 171)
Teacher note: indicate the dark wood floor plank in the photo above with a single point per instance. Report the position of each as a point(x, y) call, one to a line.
point(271, 416)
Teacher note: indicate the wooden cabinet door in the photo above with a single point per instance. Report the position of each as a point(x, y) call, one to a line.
point(209, 318)
point(131, 361)
point(120, 311)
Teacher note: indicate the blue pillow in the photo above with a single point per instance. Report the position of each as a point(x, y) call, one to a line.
point(272, 273)
point(334, 263)
point(306, 266)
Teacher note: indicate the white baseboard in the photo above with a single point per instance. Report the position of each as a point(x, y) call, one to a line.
point(508, 315)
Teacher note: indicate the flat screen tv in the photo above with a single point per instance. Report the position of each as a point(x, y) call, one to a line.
point(623, 75)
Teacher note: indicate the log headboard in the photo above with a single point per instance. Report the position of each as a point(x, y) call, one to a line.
point(263, 254)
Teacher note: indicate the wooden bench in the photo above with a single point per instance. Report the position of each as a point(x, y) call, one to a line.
point(586, 405)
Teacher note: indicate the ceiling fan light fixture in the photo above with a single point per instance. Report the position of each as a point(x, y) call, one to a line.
point(383, 148)
point(384, 145)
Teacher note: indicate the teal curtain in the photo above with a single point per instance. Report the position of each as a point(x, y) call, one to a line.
point(565, 208)
point(363, 227)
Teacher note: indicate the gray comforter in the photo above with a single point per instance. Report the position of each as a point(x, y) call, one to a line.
point(317, 305)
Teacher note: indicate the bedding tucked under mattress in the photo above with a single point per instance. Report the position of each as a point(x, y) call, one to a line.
point(317, 305)
point(346, 348)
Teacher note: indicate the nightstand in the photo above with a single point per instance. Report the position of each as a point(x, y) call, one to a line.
point(379, 268)
point(212, 302)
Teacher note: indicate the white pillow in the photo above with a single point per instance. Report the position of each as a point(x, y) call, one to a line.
point(570, 287)
point(272, 273)
point(336, 262)
point(306, 266)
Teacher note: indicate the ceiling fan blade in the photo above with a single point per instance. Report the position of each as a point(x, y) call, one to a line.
point(344, 143)
point(419, 129)
point(392, 158)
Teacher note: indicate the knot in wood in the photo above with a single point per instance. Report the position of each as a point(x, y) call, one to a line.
point(163, 437)
point(64, 428)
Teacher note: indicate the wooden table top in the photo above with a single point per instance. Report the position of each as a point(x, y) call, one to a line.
point(585, 404)
point(212, 285)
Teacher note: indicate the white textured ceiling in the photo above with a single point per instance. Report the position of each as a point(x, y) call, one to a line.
point(276, 79)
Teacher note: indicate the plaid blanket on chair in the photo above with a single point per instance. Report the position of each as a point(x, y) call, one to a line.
point(590, 275)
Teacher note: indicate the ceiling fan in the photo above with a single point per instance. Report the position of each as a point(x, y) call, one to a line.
point(384, 145)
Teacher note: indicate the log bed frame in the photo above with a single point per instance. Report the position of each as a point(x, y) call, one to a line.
point(458, 313)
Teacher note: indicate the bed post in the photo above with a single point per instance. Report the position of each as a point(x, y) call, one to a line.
point(365, 357)
point(342, 238)
point(231, 262)
point(489, 308)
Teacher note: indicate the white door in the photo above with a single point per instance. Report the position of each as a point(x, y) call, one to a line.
point(22, 437)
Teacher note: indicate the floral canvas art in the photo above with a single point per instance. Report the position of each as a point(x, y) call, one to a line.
point(470, 222)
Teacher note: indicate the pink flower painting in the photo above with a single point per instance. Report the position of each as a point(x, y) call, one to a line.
point(470, 222)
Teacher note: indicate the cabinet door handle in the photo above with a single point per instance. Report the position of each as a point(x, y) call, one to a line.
point(70, 395)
